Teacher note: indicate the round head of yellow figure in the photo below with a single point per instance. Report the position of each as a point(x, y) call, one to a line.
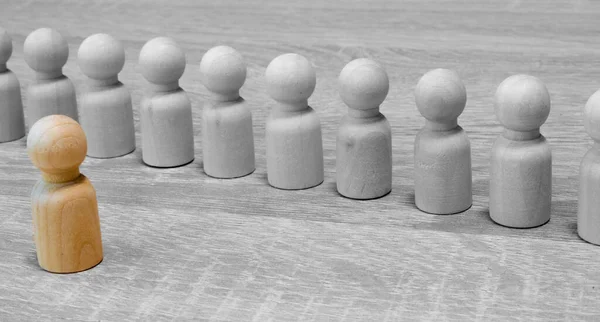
point(57, 145)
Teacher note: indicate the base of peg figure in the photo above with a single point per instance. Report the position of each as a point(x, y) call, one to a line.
point(302, 188)
point(594, 240)
point(12, 139)
point(73, 272)
point(111, 157)
point(520, 227)
point(364, 199)
point(225, 178)
point(449, 213)
point(168, 167)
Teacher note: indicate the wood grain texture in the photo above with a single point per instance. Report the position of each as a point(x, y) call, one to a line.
point(180, 245)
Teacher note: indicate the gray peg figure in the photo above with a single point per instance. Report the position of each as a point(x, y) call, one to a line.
point(521, 160)
point(12, 122)
point(588, 212)
point(442, 152)
point(364, 139)
point(46, 52)
point(166, 112)
point(293, 129)
point(227, 132)
point(105, 109)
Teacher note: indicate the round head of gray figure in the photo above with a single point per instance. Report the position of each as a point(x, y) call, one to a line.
point(441, 96)
point(101, 57)
point(162, 62)
point(223, 72)
point(522, 103)
point(291, 80)
point(363, 84)
point(46, 52)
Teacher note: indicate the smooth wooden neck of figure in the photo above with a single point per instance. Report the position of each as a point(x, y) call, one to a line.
point(49, 75)
point(293, 107)
point(103, 82)
point(229, 97)
point(163, 88)
point(361, 114)
point(61, 177)
point(521, 135)
point(437, 126)
point(3, 68)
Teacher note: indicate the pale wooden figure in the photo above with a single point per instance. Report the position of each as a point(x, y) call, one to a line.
point(227, 132)
point(588, 212)
point(293, 129)
point(364, 139)
point(166, 112)
point(12, 122)
point(66, 226)
point(105, 109)
point(521, 159)
point(442, 151)
point(46, 52)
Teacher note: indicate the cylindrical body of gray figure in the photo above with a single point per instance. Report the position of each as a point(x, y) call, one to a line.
point(106, 116)
point(443, 180)
point(520, 182)
point(167, 129)
point(12, 124)
point(588, 212)
point(364, 157)
point(294, 149)
point(51, 96)
point(227, 139)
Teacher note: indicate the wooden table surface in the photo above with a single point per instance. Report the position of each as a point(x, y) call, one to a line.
point(182, 246)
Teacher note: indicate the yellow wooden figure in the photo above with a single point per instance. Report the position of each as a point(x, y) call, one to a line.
point(66, 225)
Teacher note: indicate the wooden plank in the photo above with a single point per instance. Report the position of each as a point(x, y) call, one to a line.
point(180, 245)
